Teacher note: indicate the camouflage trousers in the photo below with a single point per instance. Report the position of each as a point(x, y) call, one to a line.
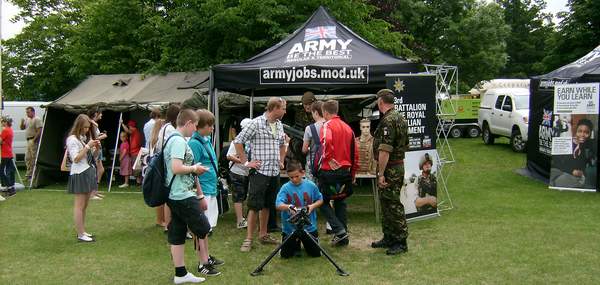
point(393, 221)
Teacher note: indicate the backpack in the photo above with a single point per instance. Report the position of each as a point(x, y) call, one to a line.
point(153, 185)
point(316, 151)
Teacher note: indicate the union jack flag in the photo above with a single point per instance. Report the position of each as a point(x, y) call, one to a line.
point(321, 32)
point(547, 118)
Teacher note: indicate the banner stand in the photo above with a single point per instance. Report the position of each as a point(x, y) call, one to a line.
point(415, 98)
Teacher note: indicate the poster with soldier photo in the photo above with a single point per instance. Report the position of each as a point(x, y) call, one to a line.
point(415, 99)
point(420, 190)
point(575, 137)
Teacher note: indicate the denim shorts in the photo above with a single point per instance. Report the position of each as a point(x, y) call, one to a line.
point(239, 187)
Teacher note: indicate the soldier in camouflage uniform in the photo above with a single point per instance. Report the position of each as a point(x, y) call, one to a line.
point(427, 184)
point(303, 117)
point(391, 142)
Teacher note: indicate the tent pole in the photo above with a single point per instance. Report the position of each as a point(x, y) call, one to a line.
point(252, 104)
point(217, 129)
point(211, 91)
point(112, 169)
point(33, 176)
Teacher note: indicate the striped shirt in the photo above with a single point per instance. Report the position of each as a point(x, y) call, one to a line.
point(264, 145)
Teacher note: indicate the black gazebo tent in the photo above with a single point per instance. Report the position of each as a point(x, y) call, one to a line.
point(323, 55)
point(541, 101)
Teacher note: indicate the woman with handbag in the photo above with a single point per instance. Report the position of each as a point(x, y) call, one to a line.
point(82, 176)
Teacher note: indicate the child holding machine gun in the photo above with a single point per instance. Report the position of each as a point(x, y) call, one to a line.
point(296, 194)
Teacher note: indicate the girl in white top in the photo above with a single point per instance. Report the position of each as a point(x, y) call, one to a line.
point(82, 178)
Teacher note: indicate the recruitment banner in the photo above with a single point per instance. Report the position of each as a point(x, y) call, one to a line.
point(574, 137)
point(415, 100)
point(420, 191)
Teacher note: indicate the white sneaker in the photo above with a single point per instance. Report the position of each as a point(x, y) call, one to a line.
point(2, 198)
point(124, 185)
point(88, 235)
point(94, 197)
point(188, 278)
point(84, 238)
point(243, 224)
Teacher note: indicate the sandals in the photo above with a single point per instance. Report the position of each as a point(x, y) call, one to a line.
point(268, 239)
point(246, 245)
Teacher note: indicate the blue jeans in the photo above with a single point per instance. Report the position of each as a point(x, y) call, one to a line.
point(336, 216)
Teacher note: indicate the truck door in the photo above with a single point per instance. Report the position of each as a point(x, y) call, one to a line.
point(505, 120)
point(495, 115)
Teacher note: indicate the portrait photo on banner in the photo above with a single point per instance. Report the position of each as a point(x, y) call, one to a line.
point(420, 191)
point(574, 151)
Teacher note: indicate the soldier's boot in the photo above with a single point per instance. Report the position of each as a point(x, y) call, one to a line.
point(397, 248)
point(382, 243)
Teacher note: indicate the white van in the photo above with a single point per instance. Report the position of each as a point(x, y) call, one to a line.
point(504, 111)
point(16, 110)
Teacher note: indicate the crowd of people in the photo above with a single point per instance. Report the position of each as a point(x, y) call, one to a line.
point(32, 125)
point(256, 162)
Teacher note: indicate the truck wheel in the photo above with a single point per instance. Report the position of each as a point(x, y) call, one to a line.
point(473, 132)
point(516, 141)
point(456, 132)
point(488, 137)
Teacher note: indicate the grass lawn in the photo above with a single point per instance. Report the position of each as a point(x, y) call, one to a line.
point(504, 229)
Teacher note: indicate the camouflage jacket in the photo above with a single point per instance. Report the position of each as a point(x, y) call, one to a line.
point(427, 185)
point(391, 136)
point(302, 119)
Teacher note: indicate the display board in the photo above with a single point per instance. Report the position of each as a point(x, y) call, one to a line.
point(574, 137)
point(415, 100)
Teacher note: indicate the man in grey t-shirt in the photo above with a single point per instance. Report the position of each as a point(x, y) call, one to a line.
point(310, 135)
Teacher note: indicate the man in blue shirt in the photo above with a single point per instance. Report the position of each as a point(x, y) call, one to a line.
point(204, 153)
point(293, 195)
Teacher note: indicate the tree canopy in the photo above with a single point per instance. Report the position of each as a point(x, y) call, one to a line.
point(67, 40)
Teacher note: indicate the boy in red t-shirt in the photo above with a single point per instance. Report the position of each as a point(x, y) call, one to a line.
point(7, 167)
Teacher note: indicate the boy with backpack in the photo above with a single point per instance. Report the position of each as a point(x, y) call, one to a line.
point(204, 153)
point(186, 201)
point(312, 143)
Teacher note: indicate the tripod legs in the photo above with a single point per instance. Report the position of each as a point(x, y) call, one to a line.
point(259, 269)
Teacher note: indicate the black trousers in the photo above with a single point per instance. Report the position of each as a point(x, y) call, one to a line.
point(293, 246)
point(7, 172)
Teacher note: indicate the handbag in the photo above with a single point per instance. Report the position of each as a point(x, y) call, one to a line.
point(222, 190)
point(65, 165)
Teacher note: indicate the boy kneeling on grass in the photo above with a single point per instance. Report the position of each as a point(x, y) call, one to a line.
point(293, 195)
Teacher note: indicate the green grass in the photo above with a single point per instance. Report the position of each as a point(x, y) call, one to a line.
point(504, 229)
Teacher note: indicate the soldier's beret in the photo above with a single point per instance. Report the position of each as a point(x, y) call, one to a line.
point(426, 158)
point(308, 98)
point(384, 92)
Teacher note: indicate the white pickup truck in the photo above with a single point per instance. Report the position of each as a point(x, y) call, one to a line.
point(504, 111)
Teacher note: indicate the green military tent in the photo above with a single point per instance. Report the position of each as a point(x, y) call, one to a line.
point(126, 96)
